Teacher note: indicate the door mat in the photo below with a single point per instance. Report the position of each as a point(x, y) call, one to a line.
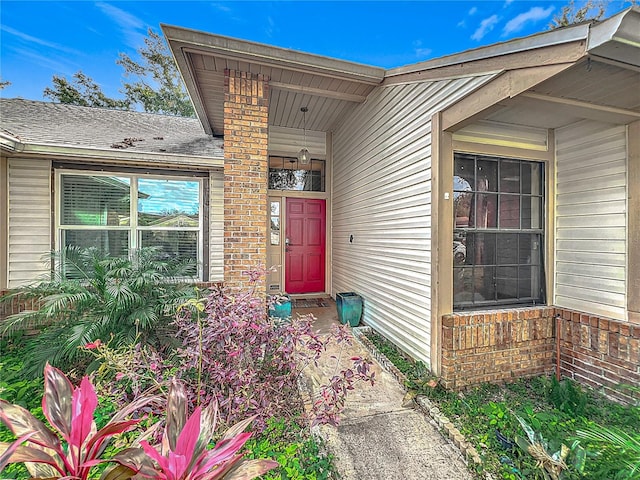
point(309, 302)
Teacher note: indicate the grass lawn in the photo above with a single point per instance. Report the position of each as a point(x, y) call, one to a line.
point(487, 416)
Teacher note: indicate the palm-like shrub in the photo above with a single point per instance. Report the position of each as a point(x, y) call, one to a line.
point(91, 295)
point(616, 454)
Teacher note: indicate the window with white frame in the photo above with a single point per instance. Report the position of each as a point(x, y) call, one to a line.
point(117, 212)
point(498, 235)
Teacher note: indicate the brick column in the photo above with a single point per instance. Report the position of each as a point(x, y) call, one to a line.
point(246, 112)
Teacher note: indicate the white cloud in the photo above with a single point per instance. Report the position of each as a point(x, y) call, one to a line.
point(271, 27)
point(508, 2)
point(38, 41)
point(533, 15)
point(122, 18)
point(485, 27)
point(133, 28)
point(463, 23)
point(420, 51)
point(221, 7)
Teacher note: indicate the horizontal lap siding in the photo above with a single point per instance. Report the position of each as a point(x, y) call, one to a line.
point(29, 220)
point(590, 273)
point(382, 196)
point(216, 226)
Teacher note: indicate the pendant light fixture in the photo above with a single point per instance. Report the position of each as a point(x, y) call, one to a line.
point(304, 157)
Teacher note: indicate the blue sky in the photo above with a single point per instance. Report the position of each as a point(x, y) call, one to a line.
point(40, 39)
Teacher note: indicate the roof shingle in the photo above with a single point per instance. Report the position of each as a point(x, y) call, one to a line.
point(59, 124)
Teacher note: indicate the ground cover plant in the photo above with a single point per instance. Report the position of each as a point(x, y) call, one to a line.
point(536, 428)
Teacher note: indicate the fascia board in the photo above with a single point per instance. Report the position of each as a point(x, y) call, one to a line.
point(541, 40)
point(277, 57)
point(125, 155)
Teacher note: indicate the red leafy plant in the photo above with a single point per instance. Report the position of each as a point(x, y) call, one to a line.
point(233, 354)
point(182, 454)
point(74, 445)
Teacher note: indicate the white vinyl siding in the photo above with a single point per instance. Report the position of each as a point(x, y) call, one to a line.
point(216, 226)
point(29, 220)
point(590, 236)
point(504, 134)
point(382, 196)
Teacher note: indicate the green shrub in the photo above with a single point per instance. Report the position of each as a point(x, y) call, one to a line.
point(92, 295)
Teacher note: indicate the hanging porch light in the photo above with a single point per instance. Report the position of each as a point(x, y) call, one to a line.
point(304, 157)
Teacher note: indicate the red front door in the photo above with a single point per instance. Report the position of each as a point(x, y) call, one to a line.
point(305, 245)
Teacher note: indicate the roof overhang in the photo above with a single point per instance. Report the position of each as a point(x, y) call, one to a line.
point(530, 72)
point(327, 86)
point(597, 79)
point(14, 147)
point(617, 39)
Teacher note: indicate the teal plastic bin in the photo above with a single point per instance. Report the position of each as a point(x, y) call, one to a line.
point(282, 308)
point(349, 305)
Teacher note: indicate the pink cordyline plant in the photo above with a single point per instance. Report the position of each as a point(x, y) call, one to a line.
point(74, 445)
point(183, 455)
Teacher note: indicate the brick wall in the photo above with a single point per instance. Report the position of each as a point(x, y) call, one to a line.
point(502, 345)
point(16, 305)
point(246, 110)
point(601, 353)
point(496, 346)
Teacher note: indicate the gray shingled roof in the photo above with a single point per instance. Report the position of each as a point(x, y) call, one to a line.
point(59, 124)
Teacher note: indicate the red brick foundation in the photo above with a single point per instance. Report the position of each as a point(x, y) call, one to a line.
point(601, 353)
point(502, 345)
point(496, 346)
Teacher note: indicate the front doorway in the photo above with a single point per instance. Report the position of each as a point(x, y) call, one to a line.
point(305, 242)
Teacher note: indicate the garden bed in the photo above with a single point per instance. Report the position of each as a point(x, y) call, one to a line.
point(490, 422)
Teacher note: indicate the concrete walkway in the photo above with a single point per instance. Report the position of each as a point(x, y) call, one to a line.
point(377, 437)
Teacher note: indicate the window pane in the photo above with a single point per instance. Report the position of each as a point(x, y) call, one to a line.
point(275, 208)
point(507, 253)
point(463, 285)
point(484, 249)
point(94, 200)
point(486, 211)
point(528, 282)
point(531, 178)
point(286, 173)
point(464, 173)
point(462, 204)
point(275, 230)
point(173, 244)
point(530, 249)
point(168, 203)
point(531, 212)
point(487, 180)
point(510, 177)
point(461, 248)
point(485, 284)
point(509, 211)
point(507, 283)
point(113, 242)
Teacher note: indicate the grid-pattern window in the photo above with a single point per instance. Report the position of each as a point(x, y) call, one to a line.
point(119, 212)
point(287, 173)
point(498, 231)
